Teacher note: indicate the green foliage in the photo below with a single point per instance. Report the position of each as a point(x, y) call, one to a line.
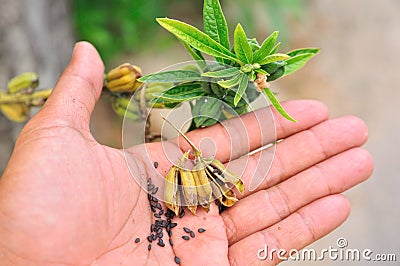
point(117, 26)
point(236, 67)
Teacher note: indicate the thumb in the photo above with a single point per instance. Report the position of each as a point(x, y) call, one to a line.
point(78, 89)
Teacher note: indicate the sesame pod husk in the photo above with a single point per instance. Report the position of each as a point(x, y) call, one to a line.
point(23, 83)
point(189, 190)
point(171, 196)
point(204, 190)
point(218, 171)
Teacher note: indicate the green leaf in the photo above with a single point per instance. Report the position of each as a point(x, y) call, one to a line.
point(242, 47)
point(172, 76)
point(180, 93)
point(266, 47)
point(196, 55)
point(303, 51)
point(215, 24)
point(244, 81)
point(275, 102)
point(276, 47)
point(296, 62)
point(196, 38)
point(224, 73)
point(207, 111)
point(262, 71)
point(273, 58)
point(230, 82)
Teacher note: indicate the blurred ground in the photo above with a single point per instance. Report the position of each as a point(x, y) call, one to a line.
point(356, 73)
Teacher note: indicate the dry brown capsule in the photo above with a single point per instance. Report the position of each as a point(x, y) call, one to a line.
point(171, 195)
point(189, 190)
point(208, 178)
point(204, 190)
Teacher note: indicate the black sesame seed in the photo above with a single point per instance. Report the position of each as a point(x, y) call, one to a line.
point(154, 191)
point(164, 223)
point(187, 230)
point(160, 243)
point(150, 239)
point(186, 237)
point(170, 214)
point(149, 247)
point(149, 196)
point(159, 230)
point(161, 212)
point(154, 199)
point(177, 260)
point(201, 230)
point(155, 164)
point(158, 206)
point(157, 215)
point(169, 233)
point(152, 228)
point(150, 187)
point(173, 225)
point(137, 240)
point(153, 209)
point(182, 213)
point(160, 235)
point(154, 236)
point(149, 181)
point(192, 235)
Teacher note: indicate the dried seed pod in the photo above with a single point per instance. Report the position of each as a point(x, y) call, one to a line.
point(223, 174)
point(207, 177)
point(189, 189)
point(224, 194)
point(171, 196)
point(204, 191)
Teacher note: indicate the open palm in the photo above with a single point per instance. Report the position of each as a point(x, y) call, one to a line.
point(67, 200)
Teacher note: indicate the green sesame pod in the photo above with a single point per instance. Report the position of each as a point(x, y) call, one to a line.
point(207, 111)
point(217, 90)
point(277, 74)
point(272, 67)
point(251, 92)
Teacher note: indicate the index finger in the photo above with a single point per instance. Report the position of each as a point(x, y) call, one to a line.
point(236, 137)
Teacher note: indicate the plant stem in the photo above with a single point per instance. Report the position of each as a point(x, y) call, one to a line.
point(197, 152)
point(35, 99)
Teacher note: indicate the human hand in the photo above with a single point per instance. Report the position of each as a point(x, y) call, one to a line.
point(67, 200)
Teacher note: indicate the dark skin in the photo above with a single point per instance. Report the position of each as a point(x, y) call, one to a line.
point(65, 199)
